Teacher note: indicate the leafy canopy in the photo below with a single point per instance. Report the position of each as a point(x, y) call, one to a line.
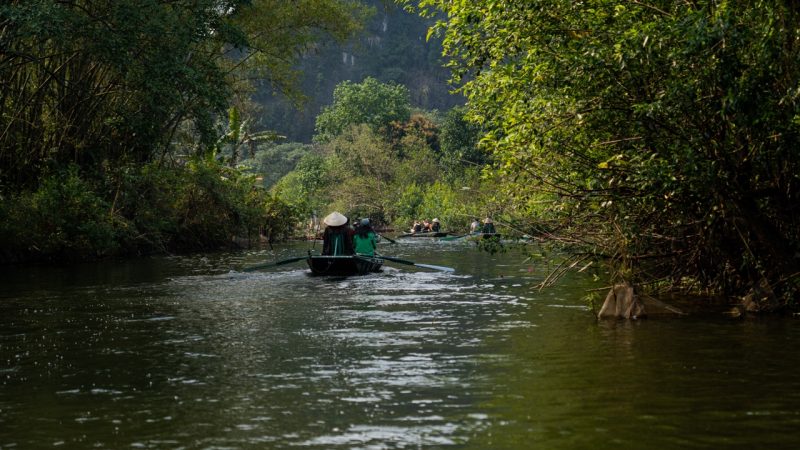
point(663, 135)
point(370, 102)
point(111, 81)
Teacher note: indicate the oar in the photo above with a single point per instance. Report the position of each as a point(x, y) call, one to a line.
point(388, 239)
point(279, 263)
point(412, 263)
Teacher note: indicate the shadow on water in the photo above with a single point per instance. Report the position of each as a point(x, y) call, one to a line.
point(190, 352)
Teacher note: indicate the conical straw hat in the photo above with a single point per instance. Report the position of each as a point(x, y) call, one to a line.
point(334, 219)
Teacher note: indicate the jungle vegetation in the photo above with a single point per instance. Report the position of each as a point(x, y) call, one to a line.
point(115, 114)
point(657, 138)
point(376, 156)
point(662, 137)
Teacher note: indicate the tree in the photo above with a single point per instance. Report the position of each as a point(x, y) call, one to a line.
point(664, 135)
point(239, 135)
point(111, 90)
point(369, 102)
point(306, 187)
point(272, 162)
point(459, 141)
point(93, 82)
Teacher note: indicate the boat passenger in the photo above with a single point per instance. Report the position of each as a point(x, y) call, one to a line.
point(337, 239)
point(435, 226)
point(365, 239)
point(426, 226)
point(488, 227)
point(417, 227)
point(475, 226)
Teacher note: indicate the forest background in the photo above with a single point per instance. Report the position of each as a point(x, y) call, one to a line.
point(659, 139)
point(136, 127)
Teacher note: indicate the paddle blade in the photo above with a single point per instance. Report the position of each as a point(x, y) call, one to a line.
point(397, 260)
point(278, 263)
point(433, 267)
point(392, 241)
point(412, 263)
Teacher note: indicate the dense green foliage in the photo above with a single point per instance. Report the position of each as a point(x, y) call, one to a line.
point(459, 141)
point(369, 102)
point(376, 159)
point(93, 93)
point(145, 209)
point(273, 161)
point(661, 135)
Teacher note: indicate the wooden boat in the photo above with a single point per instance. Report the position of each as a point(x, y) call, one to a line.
point(424, 234)
point(344, 265)
point(473, 237)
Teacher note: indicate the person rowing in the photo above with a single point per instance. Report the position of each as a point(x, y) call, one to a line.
point(337, 239)
point(365, 239)
point(475, 226)
point(488, 227)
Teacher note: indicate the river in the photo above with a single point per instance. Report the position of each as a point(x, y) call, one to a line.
point(191, 352)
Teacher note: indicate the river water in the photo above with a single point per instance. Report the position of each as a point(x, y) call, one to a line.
point(184, 352)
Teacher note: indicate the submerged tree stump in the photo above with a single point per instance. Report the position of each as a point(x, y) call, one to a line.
point(761, 298)
point(623, 302)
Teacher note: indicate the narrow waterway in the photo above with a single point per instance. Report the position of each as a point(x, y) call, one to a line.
point(184, 352)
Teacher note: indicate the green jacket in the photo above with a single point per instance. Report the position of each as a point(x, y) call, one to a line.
point(365, 245)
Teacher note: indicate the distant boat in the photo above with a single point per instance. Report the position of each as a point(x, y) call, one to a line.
point(424, 234)
point(344, 265)
point(472, 237)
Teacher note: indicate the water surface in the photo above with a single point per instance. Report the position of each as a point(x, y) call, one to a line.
point(184, 352)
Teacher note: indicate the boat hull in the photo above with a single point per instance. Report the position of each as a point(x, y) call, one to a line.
point(427, 234)
point(345, 265)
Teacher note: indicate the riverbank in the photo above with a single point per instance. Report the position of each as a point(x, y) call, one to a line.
point(197, 206)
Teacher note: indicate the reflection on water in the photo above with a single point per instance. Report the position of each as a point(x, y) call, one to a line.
point(187, 353)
